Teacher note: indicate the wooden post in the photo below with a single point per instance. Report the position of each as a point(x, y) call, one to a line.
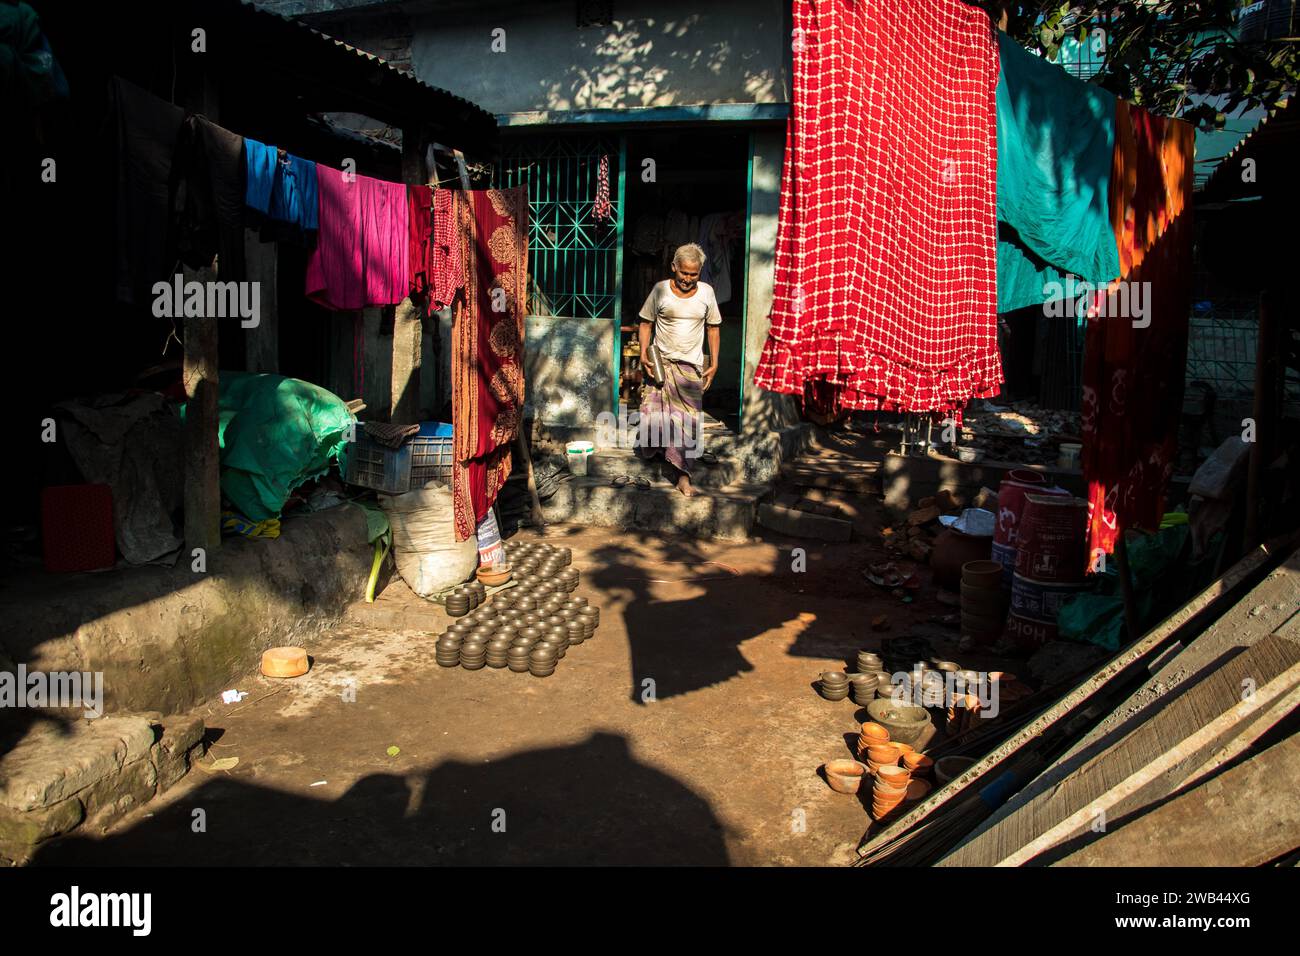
point(202, 461)
point(408, 329)
point(262, 344)
point(199, 376)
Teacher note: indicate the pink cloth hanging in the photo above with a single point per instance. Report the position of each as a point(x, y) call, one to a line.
point(361, 256)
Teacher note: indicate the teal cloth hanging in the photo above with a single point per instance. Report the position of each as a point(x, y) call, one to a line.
point(1056, 137)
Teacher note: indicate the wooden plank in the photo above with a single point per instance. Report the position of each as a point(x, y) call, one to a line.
point(1271, 607)
point(1145, 765)
point(1225, 821)
point(1145, 649)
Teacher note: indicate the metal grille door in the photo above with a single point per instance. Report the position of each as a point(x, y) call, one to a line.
point(574, 261)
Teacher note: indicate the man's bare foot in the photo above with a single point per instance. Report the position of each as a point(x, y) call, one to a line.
point(684, 486)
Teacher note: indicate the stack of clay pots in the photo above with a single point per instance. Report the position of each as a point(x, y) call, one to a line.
point(529, 626)
point(863, 687)
point(881, 755)
point(834, 685)
point(889, 791)
point(918, 763)
point(983, 603)
point(873, 735)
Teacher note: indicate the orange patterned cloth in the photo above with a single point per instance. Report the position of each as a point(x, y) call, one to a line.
point(487, 377)
point(1134, 364)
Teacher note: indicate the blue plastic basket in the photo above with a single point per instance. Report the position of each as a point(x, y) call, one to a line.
point(426, 457)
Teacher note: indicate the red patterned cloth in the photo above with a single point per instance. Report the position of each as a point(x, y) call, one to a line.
point(886, 265)
point(446, 262)
point(600, 210)
point(1134, 364)
point(487, 373)
point(420, 239)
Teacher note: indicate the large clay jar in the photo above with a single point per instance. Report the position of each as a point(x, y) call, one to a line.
point(954, 548)
point(1011, 502)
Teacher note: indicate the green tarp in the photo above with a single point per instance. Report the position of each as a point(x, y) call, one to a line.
point(1056, 137)
point(275, 433)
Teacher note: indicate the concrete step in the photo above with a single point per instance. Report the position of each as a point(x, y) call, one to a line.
point(85, 775)
point(725, 513)
point(611, 462)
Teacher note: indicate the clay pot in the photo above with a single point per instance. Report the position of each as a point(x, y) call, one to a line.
point(906, 723)
point(986, 602)
point(948, 768)
point(903, 749)
point(577, 632)
point(892, 775)
point(982, 574)
point(918, 790)
point(945, 667)
point(875, 732)
point(833, 692)
point(952, 550)
point(883, 753)
point(541, 670)
point(844, 776)
point(918, 763)
point(835, 677)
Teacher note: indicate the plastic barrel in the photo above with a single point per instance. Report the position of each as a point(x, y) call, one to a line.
point(1051, 545)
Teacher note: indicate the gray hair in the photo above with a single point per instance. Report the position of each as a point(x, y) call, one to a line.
point(691, 252)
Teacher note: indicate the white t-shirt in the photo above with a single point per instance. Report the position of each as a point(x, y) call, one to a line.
point(679, 323)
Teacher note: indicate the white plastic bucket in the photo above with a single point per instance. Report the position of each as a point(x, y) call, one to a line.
point(578, 452)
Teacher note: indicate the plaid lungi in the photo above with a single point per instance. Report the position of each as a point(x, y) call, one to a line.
point(671, 416)
point(886, 267)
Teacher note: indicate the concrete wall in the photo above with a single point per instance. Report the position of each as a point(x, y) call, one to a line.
point(654, 54)
point(568, 367)
point(167, 639)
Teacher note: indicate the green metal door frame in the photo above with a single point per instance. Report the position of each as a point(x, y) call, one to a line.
point(744, 292)
point(618, 272)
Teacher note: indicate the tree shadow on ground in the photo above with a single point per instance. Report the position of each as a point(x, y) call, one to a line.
point(589, 804)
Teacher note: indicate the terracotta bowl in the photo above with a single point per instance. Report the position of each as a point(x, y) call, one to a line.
point(918, 763)
point(844, 776)
point(893, 776)
point(494, 575)
point(903, 749)
point(918, 790)
point(874, 731)
point(883, 753)
point(982, 574)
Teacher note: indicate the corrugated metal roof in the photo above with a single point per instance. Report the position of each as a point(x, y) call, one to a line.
point(400, 76)
point(1278, 131)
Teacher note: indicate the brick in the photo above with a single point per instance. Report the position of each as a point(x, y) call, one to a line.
point(923, 515)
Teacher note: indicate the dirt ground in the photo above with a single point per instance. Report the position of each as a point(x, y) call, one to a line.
point(718, 765)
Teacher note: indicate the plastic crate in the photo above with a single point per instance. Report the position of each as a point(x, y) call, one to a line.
point(426, 457)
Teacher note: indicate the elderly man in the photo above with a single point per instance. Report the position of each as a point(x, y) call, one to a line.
point(678, 310)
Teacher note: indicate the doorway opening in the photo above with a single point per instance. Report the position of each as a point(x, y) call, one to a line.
point(698, 194)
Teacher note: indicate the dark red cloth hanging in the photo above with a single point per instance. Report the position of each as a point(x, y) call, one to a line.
point(1134, 365)
point(487, 376)
point(420, 220)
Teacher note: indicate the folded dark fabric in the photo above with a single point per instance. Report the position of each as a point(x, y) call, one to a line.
point(207, 197)
point(145, 131)
point(391, 435)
